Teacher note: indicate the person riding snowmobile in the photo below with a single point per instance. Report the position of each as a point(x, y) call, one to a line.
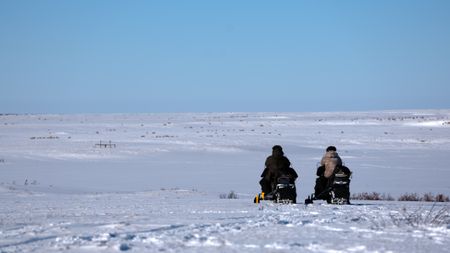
point(276, 165)
point(331, 164)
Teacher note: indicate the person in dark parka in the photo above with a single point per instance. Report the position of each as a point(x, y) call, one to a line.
point(276, 165)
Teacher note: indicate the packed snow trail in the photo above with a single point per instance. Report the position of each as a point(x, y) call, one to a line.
point(192, 221)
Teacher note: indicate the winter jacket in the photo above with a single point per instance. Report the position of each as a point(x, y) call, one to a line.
point(330, 160)
point(276, 165)
point(339, 169)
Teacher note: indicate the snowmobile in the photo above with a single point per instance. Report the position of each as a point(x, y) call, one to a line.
point(338, 189)
point(284, 192)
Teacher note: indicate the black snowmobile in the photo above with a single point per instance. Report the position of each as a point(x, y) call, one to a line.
point(284, 192)
point(335, 189)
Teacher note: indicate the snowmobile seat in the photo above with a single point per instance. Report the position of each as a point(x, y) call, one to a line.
point(285, 190)
point(335, 190)
point(340, 190)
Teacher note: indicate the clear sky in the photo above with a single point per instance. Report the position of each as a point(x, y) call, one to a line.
point(219, 56)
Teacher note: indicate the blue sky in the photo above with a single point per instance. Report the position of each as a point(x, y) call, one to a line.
point(214, 56)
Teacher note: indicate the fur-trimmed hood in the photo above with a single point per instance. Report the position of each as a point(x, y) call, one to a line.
point(330, 160)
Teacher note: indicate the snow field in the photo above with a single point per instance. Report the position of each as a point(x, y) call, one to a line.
point(389, 152)
point(60, 192)
point(190, 221)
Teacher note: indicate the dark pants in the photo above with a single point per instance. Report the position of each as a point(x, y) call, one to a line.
point(322, 184)
point(266, 186)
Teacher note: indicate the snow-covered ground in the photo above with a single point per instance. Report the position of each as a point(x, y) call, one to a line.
point(158, 188)
point(191, 221)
